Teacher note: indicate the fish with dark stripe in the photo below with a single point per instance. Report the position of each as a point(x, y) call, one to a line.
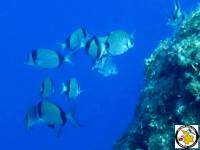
point(46, 59)
point(48, 113)
point(96, 47)
point(47, 88)
point(119, 42)
point(76, 40)
point(71, 89)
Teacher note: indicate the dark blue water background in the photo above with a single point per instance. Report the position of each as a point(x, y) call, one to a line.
point(105, 109)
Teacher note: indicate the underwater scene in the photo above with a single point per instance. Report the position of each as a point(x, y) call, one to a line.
point(100, 75)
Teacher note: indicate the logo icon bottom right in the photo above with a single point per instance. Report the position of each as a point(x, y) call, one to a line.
point(186, 136)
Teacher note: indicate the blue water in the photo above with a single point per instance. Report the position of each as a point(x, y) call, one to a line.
point(105, 109)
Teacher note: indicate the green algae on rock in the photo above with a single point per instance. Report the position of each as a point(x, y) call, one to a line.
point(171, 93)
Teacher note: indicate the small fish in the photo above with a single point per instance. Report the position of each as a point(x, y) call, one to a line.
point(76, 40)
point(96, 47)
point(72, 89)
point(105, 66)
point(46, 59)
point(178, 16)
point(47, 88)
point(119, 42)
point(50, 114)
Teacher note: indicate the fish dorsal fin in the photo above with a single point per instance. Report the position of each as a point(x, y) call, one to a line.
point(64, 88)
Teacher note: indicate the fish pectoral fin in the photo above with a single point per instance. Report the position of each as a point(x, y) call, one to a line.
point(51, 126)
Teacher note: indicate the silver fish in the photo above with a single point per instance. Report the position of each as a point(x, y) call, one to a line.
point(105, 66)
point(72, 89)
point(47, 88)
point(46, 59)
point(178, 16)
point(50, 114)
point(119, 42)
point(76, 39)
point(96, 47)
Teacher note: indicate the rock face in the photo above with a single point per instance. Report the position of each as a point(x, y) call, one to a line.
point(171, 93)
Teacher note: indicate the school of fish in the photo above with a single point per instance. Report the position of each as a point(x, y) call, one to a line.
point(100, 49)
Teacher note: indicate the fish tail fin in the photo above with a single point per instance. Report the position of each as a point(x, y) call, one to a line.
point(70, 116)
point(82, 90)
point(64, 88)
point(67, 59)
point(63, 46)
point(29, 61)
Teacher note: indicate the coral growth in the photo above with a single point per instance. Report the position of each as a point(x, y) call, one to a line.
point(171, 93)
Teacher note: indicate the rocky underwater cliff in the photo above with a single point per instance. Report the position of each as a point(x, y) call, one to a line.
point(171, 93)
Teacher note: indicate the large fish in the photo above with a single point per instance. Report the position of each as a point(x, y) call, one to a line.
point(72, 89)
point(47, 88)
point(46, 59)
point(105, 66)
point(50, 114)
point(119, 42)
point(96, 47)
point(76, 40)
point(178, 16)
